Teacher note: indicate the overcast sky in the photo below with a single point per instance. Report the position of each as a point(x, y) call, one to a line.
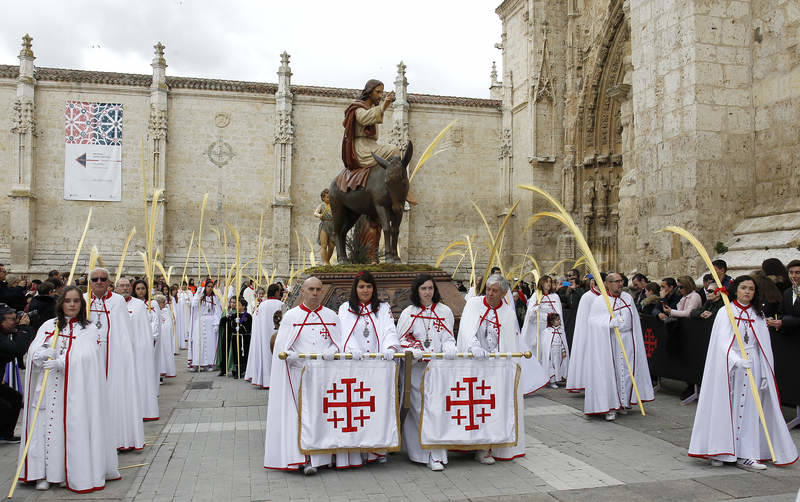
point(448, 45)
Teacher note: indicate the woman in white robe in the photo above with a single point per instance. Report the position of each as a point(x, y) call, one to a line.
point(367, 327)
point(73, 442)
point(727, 427)
point(183, 315)
point(424, 326)
point(166, 361)
point(154, 346)
point(543, 302)
point(206, 313)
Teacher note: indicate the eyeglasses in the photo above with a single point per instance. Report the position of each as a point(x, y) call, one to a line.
point(101, 279)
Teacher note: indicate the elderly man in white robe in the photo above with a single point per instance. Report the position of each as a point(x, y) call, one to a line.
point(307, 328)
point(109, 314)
point(144, 350)
point(488, 324)
point(609, 387)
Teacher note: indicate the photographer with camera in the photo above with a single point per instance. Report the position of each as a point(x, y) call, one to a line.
point(571, 290)
point(15, 336)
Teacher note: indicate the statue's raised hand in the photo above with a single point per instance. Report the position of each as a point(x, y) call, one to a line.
point(388, 100)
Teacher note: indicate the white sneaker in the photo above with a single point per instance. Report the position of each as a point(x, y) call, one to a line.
point(484, 457)
point(750, 464)
point(436, 466)
point(716, 463)
point(553, 385)
point(611, 416)
point(383, 459)
point(308, 470)
point(42, 484)
point(622, 411)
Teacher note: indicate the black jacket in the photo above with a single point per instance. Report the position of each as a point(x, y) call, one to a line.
point(14, 345)
point(13, 296)
point(45, 307)
point(790, 311)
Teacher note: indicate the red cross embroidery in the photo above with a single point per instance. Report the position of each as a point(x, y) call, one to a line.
point(349, 404)
point(650, 342)
point(481, 404)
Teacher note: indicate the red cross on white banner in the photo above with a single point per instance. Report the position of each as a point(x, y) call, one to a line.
point(478, 402)
point(347, 388)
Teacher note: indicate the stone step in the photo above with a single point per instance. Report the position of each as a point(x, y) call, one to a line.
point(764, 240)
point(775, 222)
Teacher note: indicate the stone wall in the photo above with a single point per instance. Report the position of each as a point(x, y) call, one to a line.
point(244, 118)
point(776, 95)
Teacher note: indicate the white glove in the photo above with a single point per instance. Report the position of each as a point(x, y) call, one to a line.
point(417, 353)
point(764, 384)
point(292, 356)
point(450, 353)
point(43, 355)
point(743, 363)
point(328, 354)
point(616, 322)
point(388, 354)
point(535, 308)
point(57, 364)
point(478, 352)
point(357, 354)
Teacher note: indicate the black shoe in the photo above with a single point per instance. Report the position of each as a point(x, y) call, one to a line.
point(10, 439)
point(235, 375)
point(221, 373)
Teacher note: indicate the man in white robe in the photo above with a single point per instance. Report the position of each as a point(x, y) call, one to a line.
point(249, 294)
point(109, 314)
point(608, 382)
point(727, 427)
point(73, 442)
point(183, 315)
point(307, 328)
point(144, 351)
point(204, 329)
point(488, 324)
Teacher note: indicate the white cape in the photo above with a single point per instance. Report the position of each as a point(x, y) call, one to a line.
point(382, 324)
point(576, 374)
point(166, 343)
point(80, 449)
point(713, 432)
point(533, 376)
point(259, 357)
point(601, 394)
point(144, 351)
point(124, 409)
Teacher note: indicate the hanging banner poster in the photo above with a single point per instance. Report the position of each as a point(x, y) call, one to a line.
point(93, 151)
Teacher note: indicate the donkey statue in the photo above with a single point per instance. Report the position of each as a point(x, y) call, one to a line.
point(382, 200)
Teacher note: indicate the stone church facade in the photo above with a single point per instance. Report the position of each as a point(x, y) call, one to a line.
point(636, 114)
point(256, 148)
point(645, 113)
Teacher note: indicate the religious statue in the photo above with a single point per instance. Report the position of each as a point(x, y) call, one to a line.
point(325, 238)
point(359, 189)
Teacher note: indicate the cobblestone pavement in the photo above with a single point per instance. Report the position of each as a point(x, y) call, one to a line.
point(209, 445)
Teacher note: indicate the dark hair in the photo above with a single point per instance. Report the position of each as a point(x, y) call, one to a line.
point(792, 264)
point(133, 289)
point(419, 281)
point(324, 192)
point(624, 280)
point(640, 277)
point(770, 293)
point(45, 288)
point(708, 277)
point(61, 318)
point(756, 303)
point(552, 316)
point(494, 270)
point(53, 273)
point(242, 301)
point(671, 282)
point(720, 264)
point(273, 290)
point(368, 88)
point(364, 276)
point(57, 283)
point(774, 268)
point(652, 287)
point(575, 272)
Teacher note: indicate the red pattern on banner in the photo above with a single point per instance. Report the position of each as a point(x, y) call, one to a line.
point(331, 405)
point(478, 407)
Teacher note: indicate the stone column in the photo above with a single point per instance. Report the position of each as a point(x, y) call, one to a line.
point(157, 142)
point(282, 198)
point(495, 86)
point(399, 138)
point(22, 224)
